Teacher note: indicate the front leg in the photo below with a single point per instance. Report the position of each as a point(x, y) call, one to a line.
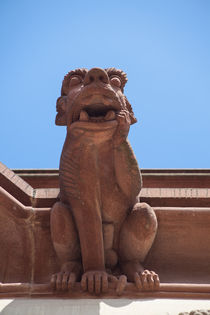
point(127, 172)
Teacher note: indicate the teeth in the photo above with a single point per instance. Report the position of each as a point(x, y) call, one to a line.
point(110, 115)
point(83, 116)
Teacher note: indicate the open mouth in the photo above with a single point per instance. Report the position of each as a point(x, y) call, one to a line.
point(96, 113)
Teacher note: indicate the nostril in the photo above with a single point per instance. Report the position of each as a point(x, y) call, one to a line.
point(96, 75)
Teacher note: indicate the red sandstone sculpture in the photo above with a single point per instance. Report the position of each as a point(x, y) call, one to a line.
point(100, 231)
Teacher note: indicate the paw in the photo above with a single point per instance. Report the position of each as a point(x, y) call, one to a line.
point(123, 119)
point(63, 281)
point(95, 281)
point(146, 281)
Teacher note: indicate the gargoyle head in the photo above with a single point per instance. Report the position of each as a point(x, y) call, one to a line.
point(93, 96)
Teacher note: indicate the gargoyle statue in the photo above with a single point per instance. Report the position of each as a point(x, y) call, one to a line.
point(100, 231)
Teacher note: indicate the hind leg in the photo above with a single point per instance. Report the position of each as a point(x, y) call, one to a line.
point(136, 238)
point(66, 243)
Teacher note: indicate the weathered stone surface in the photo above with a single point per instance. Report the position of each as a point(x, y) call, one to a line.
point(99, 227)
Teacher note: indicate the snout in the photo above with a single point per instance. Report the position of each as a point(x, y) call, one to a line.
point(96, 75)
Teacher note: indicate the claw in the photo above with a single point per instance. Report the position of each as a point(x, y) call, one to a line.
point(121, 284)
point(71, 281)
point(53, 281)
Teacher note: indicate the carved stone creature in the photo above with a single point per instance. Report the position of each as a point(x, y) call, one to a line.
point(99, 228)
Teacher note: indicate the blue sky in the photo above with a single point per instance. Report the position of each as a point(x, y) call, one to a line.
point(162, 45)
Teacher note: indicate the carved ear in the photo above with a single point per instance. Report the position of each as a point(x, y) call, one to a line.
point(129, 108)
point(60, 119)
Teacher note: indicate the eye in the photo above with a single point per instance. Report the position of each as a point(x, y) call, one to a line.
point(115, 81)
point(74, 80)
